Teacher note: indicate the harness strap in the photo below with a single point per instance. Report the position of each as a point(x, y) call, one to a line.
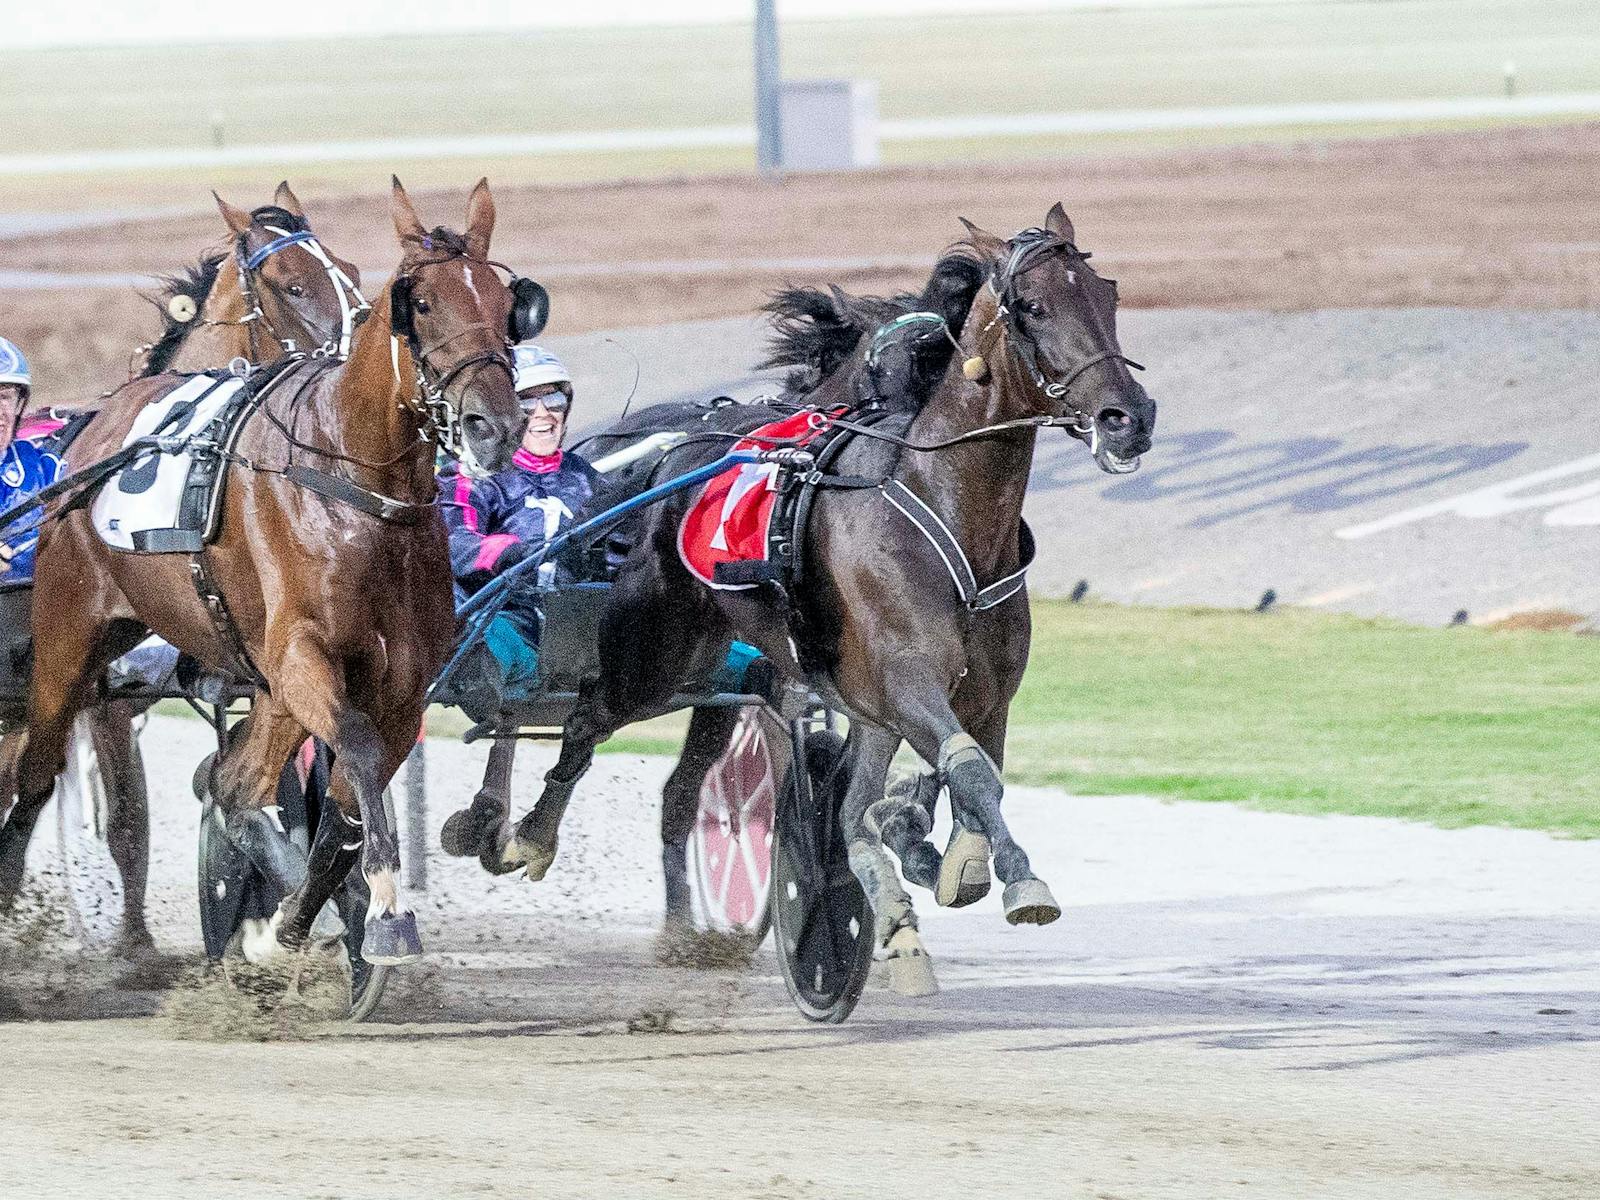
point(335, 487)
point(932, 527)
point(223, 624)
point(276, 244)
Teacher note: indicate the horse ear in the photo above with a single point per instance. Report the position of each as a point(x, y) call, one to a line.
point(237, 219)
point(406, 224)
point(480, 220)
point(1058, 223)
point(285, 199)
point(984, 242)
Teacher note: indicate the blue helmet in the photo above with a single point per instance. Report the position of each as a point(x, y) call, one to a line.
point(14, 365)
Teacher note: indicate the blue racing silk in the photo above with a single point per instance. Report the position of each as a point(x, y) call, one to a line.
point(24, 470)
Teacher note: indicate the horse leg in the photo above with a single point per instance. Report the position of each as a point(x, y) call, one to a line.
point(336, 849)
point(1027, 898)
point(128, 824)
point(972, 774)
point(709, 731)
point(648, 641)
point(868, 751)
point(245, 783)
point(906, 821)
point(481, 828)
point(66, 666)
point(313, 689)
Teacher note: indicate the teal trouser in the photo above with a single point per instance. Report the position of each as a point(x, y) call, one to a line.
point(518, 657)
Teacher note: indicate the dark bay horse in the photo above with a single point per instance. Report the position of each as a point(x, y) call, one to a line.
point(329, 580)
point(818, 334)
point(252, 301)
point(885, 627)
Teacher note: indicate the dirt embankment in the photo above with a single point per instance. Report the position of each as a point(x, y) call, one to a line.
point(1501, 219)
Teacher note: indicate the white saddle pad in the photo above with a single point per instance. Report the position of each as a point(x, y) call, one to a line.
point(147, 496)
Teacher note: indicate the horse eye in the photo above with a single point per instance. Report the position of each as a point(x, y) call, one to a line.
point(420, 305)
point(296, 290)
point(1031, 308)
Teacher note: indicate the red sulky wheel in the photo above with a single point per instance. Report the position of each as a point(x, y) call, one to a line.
point(730, 846)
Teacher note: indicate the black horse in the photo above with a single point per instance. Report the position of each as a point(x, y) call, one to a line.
point(910, 616)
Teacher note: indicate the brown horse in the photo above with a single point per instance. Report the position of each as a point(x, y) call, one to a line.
point(887, 627)
point(216, 312)
point(329, 581)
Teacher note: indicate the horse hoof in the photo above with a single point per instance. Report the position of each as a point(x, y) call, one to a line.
point(964, 873)
point(910, 968)
point(458, 838)
point(391, 940)
point(1029, 902)
point(520, 852)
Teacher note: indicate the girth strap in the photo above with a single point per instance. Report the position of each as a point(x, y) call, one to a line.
point(222, 623)
point(932, 527)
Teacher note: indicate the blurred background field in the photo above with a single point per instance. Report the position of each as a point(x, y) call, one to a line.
point(82, 100)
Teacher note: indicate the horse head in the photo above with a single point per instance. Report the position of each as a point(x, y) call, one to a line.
point(449, 305)
point(1057, 318)
point(304, 297)
point(292, 296)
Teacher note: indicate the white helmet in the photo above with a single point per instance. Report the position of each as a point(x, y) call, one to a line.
point(14, 365)
point(535, 365)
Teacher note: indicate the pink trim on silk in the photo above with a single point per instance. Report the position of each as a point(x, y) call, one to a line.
point(463, 501)
point(539, 464)
point(492, 548)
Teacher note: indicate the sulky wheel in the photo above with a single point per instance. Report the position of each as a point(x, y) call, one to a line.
point(730, 845)
point(823, 924)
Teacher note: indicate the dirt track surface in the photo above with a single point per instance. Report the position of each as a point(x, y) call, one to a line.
point(1235, 1003)
point(1500, 219)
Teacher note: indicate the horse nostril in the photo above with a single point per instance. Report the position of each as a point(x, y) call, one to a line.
point(1114, 419)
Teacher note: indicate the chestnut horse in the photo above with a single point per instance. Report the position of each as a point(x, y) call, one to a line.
point(329, 580)
point(296, 294)
point(885, 626)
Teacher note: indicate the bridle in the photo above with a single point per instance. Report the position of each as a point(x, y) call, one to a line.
point(439, 416)
point(1030, 249)
point(353, 306)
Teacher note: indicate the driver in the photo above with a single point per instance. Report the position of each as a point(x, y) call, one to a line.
point(496, 522)
point(24, 467)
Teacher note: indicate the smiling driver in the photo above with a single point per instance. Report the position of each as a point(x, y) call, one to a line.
point(497, 522)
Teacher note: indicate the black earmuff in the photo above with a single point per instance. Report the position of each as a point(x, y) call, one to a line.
point(530, 310)
point(400, 307)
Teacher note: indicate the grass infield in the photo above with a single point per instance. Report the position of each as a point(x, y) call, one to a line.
point(1294, 711)
point(1302, 712)
point(1313, 713)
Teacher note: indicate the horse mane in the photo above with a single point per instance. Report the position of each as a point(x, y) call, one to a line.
point(816, 331)
point(441, 238)
point(194, 282)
